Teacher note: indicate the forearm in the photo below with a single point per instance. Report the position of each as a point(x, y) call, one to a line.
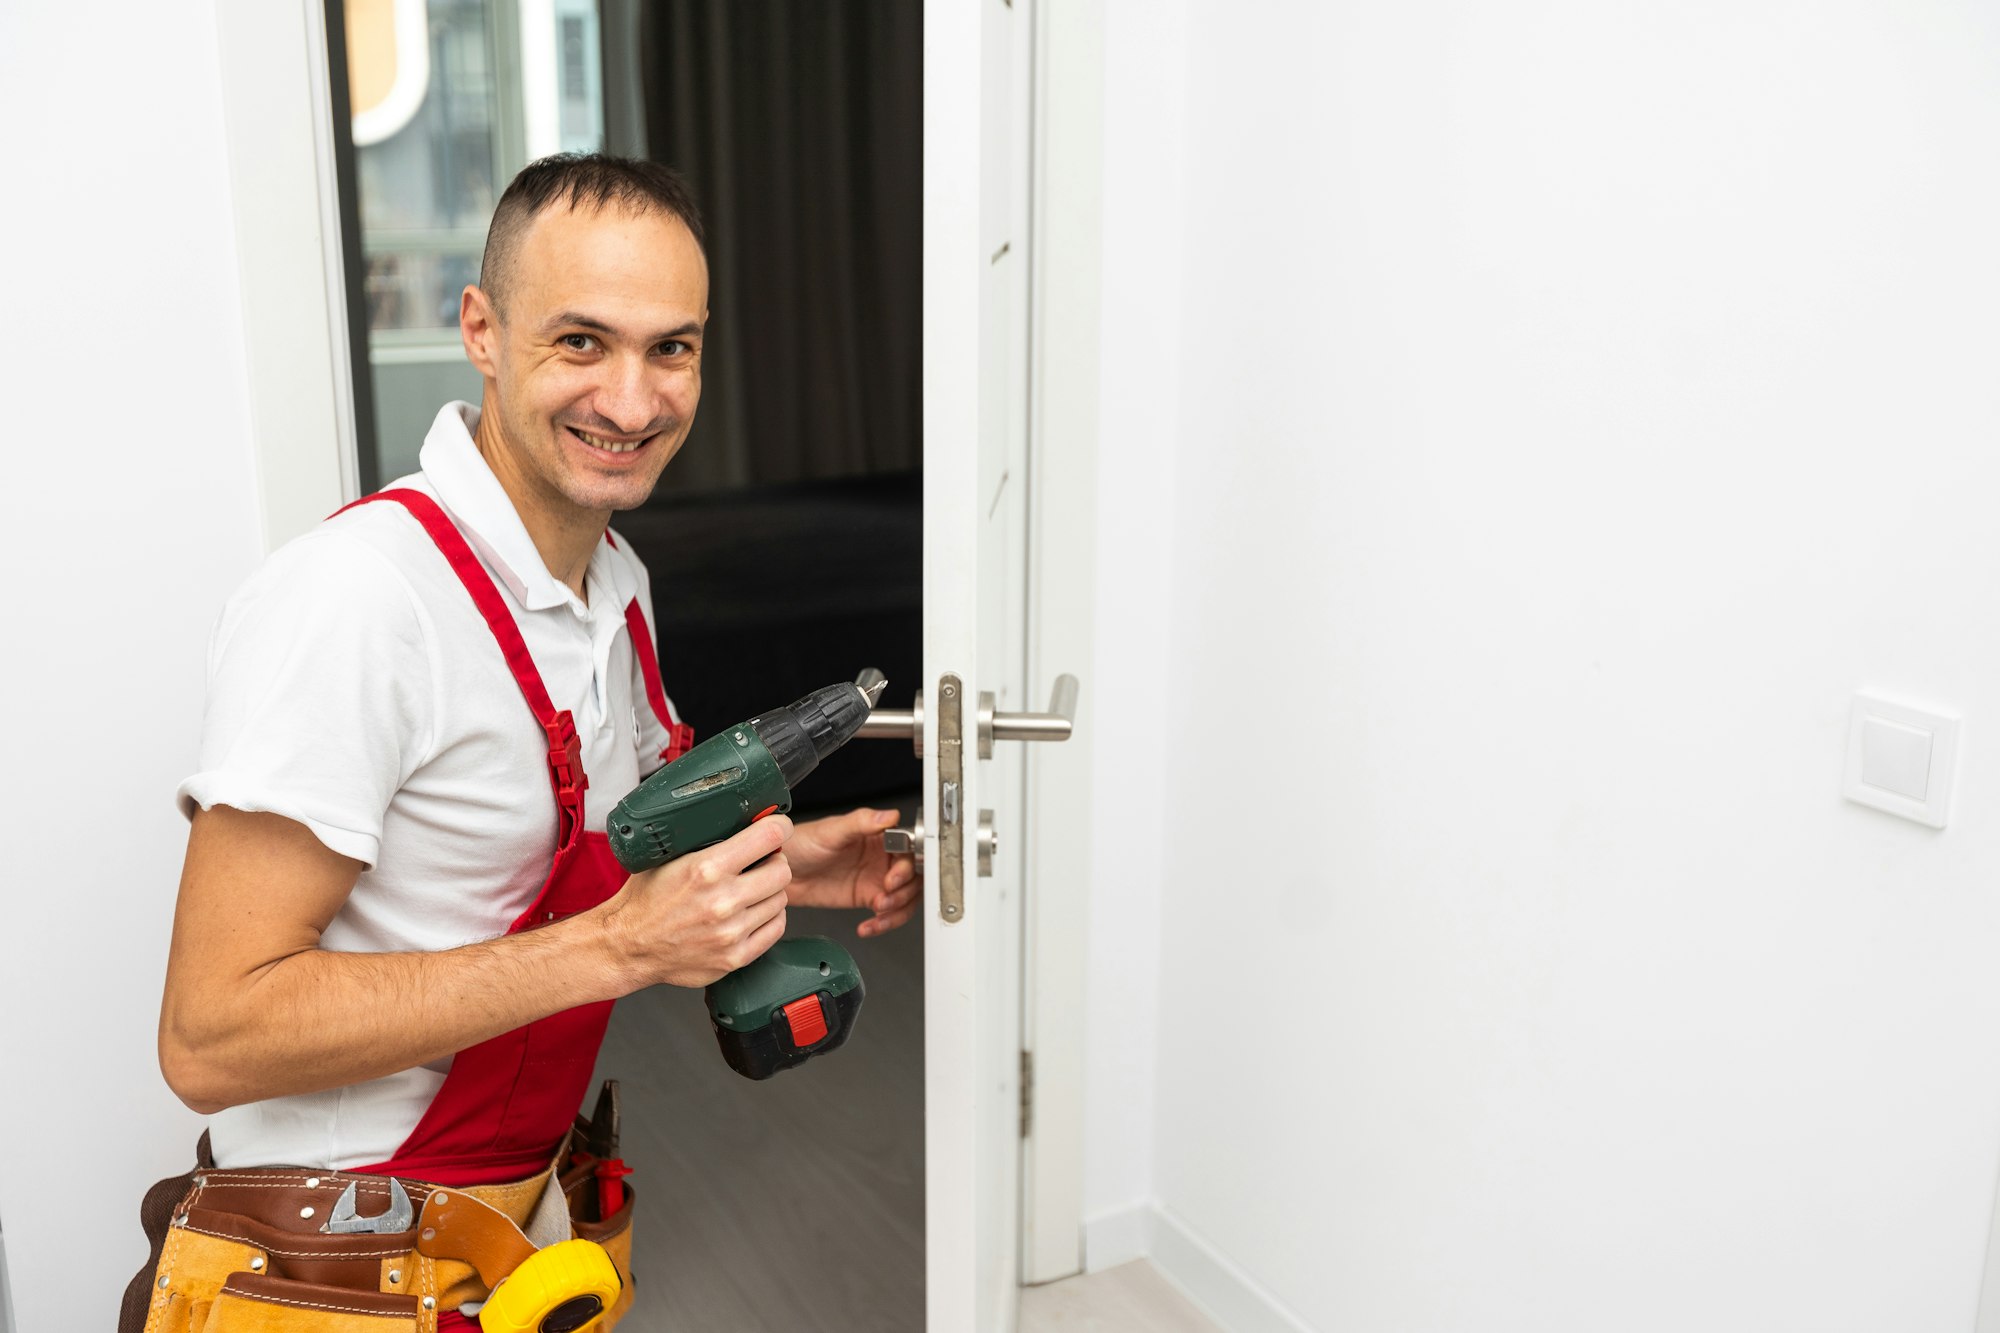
point(317, 1019)
point(254, 1008)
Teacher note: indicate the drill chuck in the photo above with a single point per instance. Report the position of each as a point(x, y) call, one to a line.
point(801, 735)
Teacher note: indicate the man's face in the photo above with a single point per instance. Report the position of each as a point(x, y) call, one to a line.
point(594, 363)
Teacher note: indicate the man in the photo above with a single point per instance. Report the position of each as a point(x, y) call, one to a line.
point(398, 931)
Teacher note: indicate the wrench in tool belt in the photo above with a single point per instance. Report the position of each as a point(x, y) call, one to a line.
point(398, 1216)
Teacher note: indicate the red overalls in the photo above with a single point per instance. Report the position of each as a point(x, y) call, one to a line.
point(507, 1103)
point(240, 1244)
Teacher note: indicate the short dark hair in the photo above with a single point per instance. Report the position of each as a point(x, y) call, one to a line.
point(578, 180)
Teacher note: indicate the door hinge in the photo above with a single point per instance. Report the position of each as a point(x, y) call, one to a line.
point(1027, 1092)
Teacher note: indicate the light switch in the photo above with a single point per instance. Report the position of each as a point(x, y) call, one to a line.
point(1895, 758)
point(1901, 759)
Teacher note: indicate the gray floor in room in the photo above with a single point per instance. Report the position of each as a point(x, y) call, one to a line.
point(794, 1203)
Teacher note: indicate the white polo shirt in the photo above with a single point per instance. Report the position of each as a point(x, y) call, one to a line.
point(354, 687)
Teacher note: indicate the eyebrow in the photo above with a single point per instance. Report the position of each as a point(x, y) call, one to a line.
point(576, 320)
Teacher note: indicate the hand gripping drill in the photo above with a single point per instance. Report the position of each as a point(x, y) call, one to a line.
point(800, 998)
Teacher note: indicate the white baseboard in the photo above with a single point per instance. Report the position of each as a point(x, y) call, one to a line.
point(1224, 1291)
point(1230, 1295)
point(6, 1297)
point(1117, 1238)
point(1989, 1283)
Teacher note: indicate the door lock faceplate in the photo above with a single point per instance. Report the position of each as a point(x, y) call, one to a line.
point(951, 776)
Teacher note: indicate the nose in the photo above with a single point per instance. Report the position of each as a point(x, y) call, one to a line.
point(625, 399)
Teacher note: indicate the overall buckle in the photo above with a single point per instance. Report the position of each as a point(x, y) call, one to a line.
point(566, 763)
point(680, 739)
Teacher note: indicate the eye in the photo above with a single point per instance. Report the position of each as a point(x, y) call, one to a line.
point(672, 347)
point(578, 342)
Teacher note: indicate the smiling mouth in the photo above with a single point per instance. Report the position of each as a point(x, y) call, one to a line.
point(609, 446)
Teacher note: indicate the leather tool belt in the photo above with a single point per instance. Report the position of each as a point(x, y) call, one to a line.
point(241, 1250)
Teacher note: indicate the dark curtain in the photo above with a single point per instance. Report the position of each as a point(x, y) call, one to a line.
point(785, 541)
point(800, 125)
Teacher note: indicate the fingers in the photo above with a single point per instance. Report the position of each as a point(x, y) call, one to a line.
point(895, 904)
point(837, 833)
point(858, 824)
point(715, 898)
point(883, 922)
point(742, 936)
point(765, 878)
point(748, 846)
point(761, 939)
point(760, 913)
point(899, 882)
point(896, 890)
point(691, 920)
point(897, 899)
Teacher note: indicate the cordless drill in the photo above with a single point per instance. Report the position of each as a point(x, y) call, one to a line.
point(799, 999)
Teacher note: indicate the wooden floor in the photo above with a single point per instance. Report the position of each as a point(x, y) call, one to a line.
point(1132, 1298)
point(792, 1203)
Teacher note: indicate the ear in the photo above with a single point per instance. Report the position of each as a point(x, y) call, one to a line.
point(479, 330)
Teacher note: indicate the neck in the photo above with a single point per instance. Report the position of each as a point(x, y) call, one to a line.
point(563, 534)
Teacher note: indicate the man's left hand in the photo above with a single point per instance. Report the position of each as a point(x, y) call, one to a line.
point(840, 862)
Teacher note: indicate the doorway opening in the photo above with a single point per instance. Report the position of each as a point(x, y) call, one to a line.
point(784, 543)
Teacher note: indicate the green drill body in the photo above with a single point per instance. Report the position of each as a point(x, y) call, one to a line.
point(706, 796)
point(761, 1014)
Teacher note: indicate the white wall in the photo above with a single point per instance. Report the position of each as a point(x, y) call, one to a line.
point(1130, 699)
point(127, 514)
point(1568, 406)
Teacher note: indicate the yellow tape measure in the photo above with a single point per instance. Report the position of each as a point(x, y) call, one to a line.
point(558, 1289)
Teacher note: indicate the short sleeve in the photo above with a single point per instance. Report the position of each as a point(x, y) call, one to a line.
point(321, 693)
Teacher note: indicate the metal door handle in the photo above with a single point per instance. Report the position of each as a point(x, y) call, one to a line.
point(1054, 725)
point(906, 842)
point(910, 842)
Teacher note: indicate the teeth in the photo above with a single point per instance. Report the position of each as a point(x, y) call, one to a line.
point(609, 446)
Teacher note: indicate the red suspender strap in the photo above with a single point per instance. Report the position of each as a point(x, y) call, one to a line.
point(566, 774)
point(680, 736)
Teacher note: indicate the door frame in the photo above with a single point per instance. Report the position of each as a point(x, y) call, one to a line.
point(1066, 191)
point(277, 110)
point(298, 331)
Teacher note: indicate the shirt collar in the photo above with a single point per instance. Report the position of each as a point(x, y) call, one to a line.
point(452, 464)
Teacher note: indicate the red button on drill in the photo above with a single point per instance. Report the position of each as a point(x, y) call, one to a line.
point(808, 1021)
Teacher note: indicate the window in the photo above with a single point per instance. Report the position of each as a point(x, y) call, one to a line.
point(449, 99)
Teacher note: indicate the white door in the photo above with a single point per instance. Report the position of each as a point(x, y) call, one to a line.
point(976, 121)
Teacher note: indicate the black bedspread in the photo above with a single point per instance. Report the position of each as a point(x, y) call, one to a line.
point(764, 594)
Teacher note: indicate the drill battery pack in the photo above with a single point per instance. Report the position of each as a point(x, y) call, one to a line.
point(800, 1001)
